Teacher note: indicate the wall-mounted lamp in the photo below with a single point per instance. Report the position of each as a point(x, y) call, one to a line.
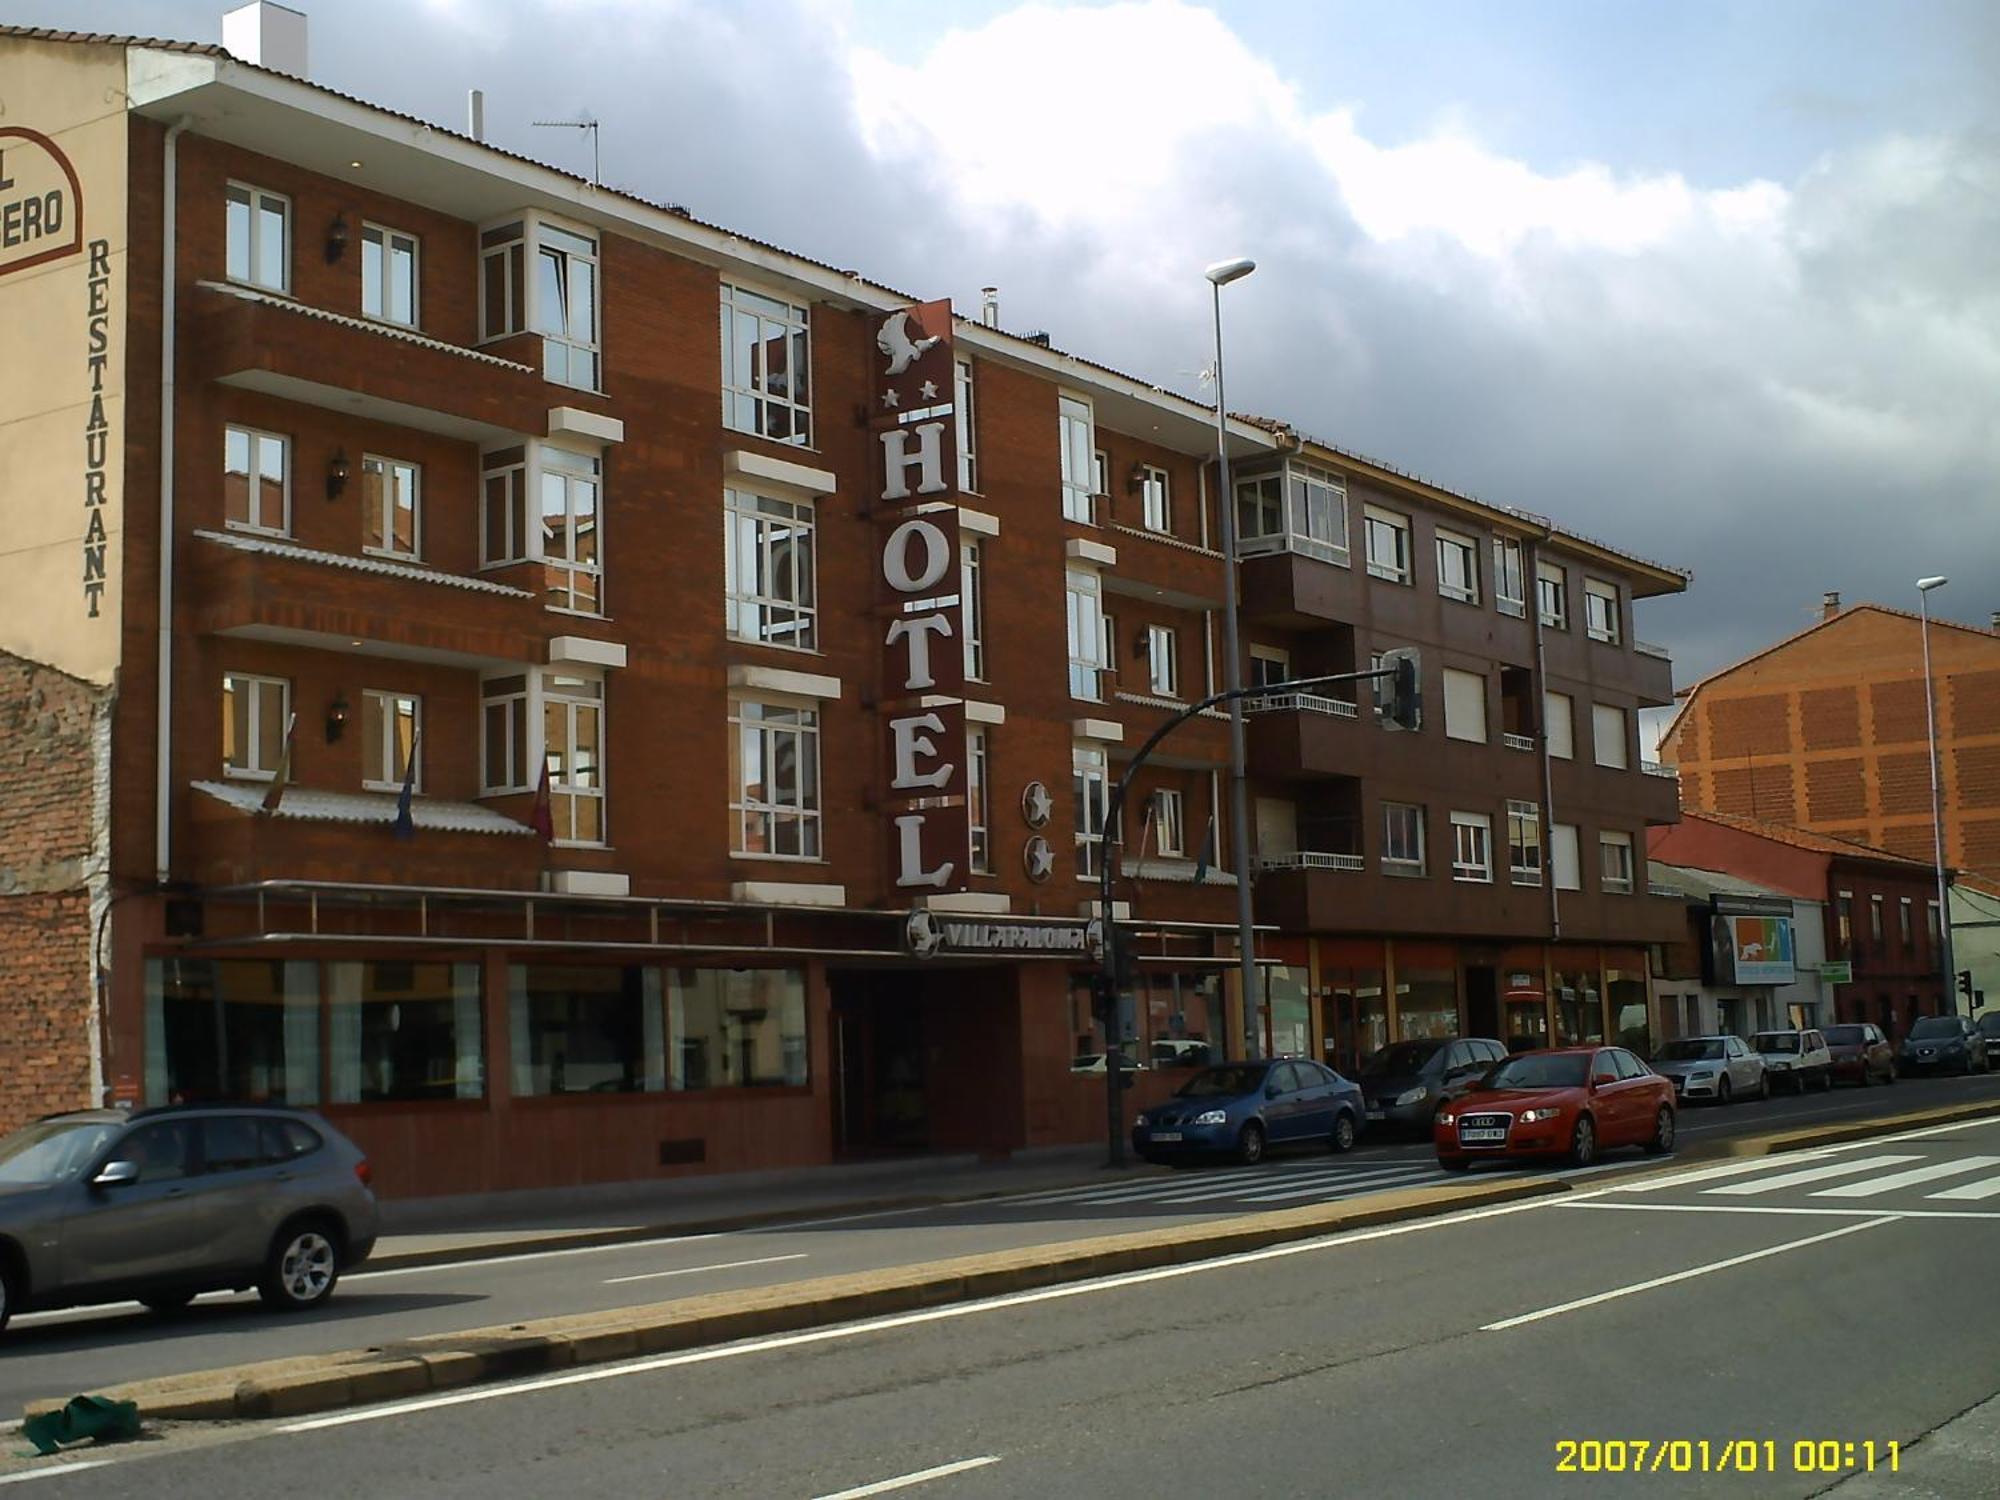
point(336, 717)
point(336, 238)
point(1141, 642)
point(336, 474)
point(1136, 480)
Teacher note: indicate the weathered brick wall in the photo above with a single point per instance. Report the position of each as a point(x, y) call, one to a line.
point(49, 802)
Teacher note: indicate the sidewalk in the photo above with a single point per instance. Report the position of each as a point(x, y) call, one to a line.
point(424, 1231)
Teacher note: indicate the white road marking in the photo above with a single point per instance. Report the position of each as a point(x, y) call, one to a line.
point(1910, 1178)
point(1324, 1178)
point(1376, 1184)
point(1727, 1169)
point(56, 1472)
point(1687, 1275)
point(1970, 1191)
point(1809, 1174)
point(904, 1481)
point(1787, 1208)
point(724, 1265)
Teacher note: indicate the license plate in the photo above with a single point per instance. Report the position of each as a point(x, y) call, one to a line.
point(1375, 1114)
point(1478, 1133)
point(1166, 1135)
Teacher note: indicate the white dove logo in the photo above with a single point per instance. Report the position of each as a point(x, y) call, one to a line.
point(896, 345)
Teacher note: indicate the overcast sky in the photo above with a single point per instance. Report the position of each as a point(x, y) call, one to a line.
point(1715, 282)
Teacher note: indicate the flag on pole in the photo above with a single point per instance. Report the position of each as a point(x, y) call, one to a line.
point(1207, 845)
point(405, 825)
point(543, 819)
point(283, 774)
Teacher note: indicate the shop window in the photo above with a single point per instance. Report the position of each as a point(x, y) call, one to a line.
point(1426, 1002)
point(402, 1030)
point(1579, 1008)
point(1526, 1022)
point(1357, 1012)
point(1288, 1010)
point(586, 1029)
point(1626, 988)
point(238, 1029)
point(736, 1028)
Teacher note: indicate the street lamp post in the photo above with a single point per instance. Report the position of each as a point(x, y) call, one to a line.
point(1924, 587)
point(1219, 276)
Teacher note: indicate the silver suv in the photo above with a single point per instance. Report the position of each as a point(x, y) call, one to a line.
point(164, 1204)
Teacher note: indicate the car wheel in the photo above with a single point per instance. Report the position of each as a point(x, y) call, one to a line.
point(1250, 1144)
point(1763, 1085)
point(166, 1304)
point(1583, 1144)
point(1663, 1132)
point(302, 1266)
point(1723, 1090)
point(1343, 1131)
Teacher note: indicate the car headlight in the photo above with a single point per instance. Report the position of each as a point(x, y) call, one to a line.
point(1701, 1075)
point(1541, 1112)
point(1446, 1117)
point(1138, 1122)
point(1416, 1095)
point(1212, 1117)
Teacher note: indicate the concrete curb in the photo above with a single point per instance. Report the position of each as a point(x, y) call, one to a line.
point(329, 1382)
point(1837, 1131)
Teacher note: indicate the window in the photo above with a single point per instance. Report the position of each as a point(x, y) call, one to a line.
point(398, 1029)
point(768, 552)
point(1472, 847)
point(1402, 838)
point(1931, 924)
point(978, 807)
point(1169, 822)
point(774, 779)
point(1260, 509)
point(586, 1029)
point(1163, 662)
point(1565, 857)
point(1155, 511)
point(972, 606)
point(1090, 785)
point(389, 507)
point(1318, 512)
point(1607, 734)
point(503, 751)
point(565, 305)
point(503, 280)
point(503, 521)
point(736, 1028)
point(239, 1029)
point(968, 429)
point(1552, 595)
point(572, 567)
point(1079, 458)
point(390, 726)
point(1844, 918)
point(1524, 843)
point(256, 481)
point(1600, 611)
point(1388, 544)
point(389, 275)
point(1458, 567)
point(1614, 862)
point(1909, 931)
point(1107, 660)
point(573, 747)
point(1086, 633)
point(231, 1143)
point(259, 251)
point(1268, 664)
point(1875, 920)
point(1100, 471)
point(766, 366)
point(255, 711)
point(1509, 584)
point(1464, 705)
point(1558, 726)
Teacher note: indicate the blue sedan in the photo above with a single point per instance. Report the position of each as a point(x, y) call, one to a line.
point(1240, 1109)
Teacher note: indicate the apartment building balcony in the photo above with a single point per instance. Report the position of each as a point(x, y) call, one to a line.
point(1652, 674)
point(1299, 736)
point(1297, 589)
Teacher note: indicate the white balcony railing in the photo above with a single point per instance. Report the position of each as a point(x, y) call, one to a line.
point(1518, 741)
point(1310, 859)
point(1300, 703)
point(1647, 648)
point(1655, 768)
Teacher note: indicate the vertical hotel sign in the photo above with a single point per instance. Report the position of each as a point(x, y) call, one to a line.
point(923, 689)
point(63, 145)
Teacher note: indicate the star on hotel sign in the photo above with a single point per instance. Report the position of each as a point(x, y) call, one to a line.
point(1037, 806)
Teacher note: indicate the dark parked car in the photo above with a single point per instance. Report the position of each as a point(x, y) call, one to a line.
point(1240, 1109)
point(1405, 1082)
point(1989, 1027)
point(1861, 1054)
point(162, 1205)
point(1942, 1044)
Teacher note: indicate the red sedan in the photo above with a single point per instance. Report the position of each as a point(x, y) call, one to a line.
point(1566, 1101)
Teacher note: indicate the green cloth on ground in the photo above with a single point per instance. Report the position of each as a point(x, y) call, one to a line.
point(97, 1417)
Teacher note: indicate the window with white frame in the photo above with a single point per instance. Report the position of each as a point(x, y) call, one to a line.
point(978, 809)
point(1402, 838)
point(389, 275)
point(1524, 843)
point(1078, 434)
point(1090, 787)
point(768, 554)
point(1260, 513)
point(766, 366)
point(1909, 932)
point(1163, 664)
point(503, 280)
point(1100, 470)
point(573, 748)
point(1552, 594)
point(1464, 706)
point(1156, 511)
point(1600, 610)
point(1085, 598)
point(391, 724)
point(1269, 664)
point(1317, 504)
point(972, 609)
point(255, 711)
point(967, 425)
point(1379, 688)
point(1931, 924)
point(1458, 566)
point(256, 481)
point(774, 779)
point(1565, 862)
point(1472, 847)
point(503, 736)
point(1510, 586)
point(1875, 919)
point(1614, 853)
point(259, 231)
point(1608, 736)
point(390, 501)
point(570, 539)
point(504, 536)
point(1169, 823)
point(1558, 725)
point(539, 276)
point(1107, 660)
point(1388, 544)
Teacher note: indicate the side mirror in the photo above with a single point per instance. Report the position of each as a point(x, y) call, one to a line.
point(1598, 1080)
point(116, 1174)
point(1271, 1091)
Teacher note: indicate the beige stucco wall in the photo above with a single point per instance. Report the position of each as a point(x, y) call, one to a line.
point(62, 356)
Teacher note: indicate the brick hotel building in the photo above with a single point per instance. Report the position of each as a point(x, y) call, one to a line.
point(447, 685)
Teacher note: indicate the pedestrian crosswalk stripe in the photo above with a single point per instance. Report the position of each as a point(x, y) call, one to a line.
point(1911, 1178)
point(1707, 1174)
point(1206, 1187)
point(1808, 1174)
point(1382, 1184)
point(1970, 1192)
point(1294, 1182)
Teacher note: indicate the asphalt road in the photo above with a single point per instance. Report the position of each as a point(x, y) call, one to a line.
point(84, 1350)
point(1736, 1309)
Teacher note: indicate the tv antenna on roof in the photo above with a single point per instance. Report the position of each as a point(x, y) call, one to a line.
point(587, 123)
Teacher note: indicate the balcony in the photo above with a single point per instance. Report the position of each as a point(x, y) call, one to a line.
point(1300, 735)
point(1518, 741)
point(1652, 674)
point(1313, 859)
point(1297, 590)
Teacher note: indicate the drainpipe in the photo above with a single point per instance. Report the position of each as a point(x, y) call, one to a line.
point(163, 711)
point(1534, 592)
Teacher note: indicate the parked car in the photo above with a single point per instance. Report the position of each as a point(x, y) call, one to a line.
point(1796, 1060)
point(1241, 1109)
point(1405, 1082)
point(1712, 1067)
point(164, 1204)
point(1989, 1027)
point(1093, 1062)
point(1943, 1044)
point(1180, 1052)
point(1563, 1101)
point(1861, 1054)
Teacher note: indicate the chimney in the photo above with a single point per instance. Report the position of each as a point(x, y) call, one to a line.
point(475, 113)
point(989, 306)
point(271, 36)
point(1829, 604)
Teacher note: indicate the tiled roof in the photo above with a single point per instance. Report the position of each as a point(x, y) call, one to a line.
point(312, 805)
point(1801, 838)
point(382, 565)
point(366, 325)
point(1691, 880)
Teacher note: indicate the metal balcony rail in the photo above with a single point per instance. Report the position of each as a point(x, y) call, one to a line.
point(1647, 648)
point(1518, 741)
point(1310, 859)
point(1301, 703)
point(1656, 768)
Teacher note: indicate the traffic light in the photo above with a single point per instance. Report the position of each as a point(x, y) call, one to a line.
point(1965, 986)
point(1402, 694)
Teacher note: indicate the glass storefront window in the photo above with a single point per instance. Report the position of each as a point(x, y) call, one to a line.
point(1579, 1008)
point(1289, 1009)
point(737, 1028)
point(586, 1029)
point(1627, 989)
point(1357, 1016)
point(1426, 1003)
point(240, 1029)
point(401, 1030)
